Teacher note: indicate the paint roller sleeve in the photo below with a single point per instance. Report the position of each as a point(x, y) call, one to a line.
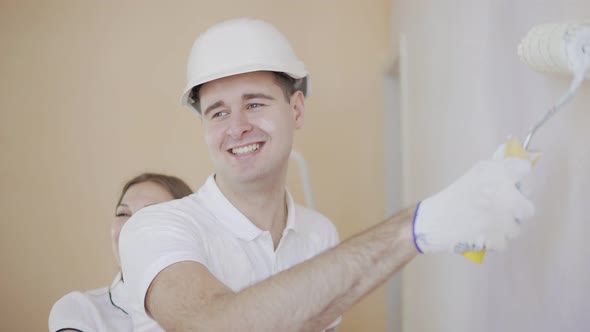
point(556, 47)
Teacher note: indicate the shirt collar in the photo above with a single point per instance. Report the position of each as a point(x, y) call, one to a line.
point(231, 217)
point(118, 279)
point(118, 294)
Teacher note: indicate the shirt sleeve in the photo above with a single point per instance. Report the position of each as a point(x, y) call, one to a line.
point(74, 311)
point(153, 239)
point(335, 323)
point(332, 238)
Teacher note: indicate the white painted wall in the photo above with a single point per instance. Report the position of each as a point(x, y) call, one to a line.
point(393, 185)
point(466, 92)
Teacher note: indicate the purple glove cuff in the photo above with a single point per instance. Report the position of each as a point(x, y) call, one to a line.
point(414, 227)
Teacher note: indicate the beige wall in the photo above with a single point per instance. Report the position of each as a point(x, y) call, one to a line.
point(89, 97)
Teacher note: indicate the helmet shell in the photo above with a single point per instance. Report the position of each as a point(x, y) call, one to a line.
point(240, 46)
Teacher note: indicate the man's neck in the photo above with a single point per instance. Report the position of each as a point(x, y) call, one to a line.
point(263, 203)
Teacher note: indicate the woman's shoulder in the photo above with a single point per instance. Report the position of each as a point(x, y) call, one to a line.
point(79, 309)
point(77, 300)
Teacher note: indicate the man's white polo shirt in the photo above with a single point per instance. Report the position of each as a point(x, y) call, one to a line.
point(99, 310)
point(206, 228)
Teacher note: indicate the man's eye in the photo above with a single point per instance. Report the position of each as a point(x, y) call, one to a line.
point(218, 114)
point(253, 105)
point(123, 214)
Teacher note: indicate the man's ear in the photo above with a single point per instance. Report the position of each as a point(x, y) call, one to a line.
point(298, 107)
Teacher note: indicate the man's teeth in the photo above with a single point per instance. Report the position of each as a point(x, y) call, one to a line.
point(245, 149)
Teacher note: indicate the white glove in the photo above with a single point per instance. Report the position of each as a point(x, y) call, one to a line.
point(481, 210)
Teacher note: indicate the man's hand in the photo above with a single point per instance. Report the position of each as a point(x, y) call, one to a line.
point(481, 210)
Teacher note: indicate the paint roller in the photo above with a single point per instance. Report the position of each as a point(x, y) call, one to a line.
point(562, 48)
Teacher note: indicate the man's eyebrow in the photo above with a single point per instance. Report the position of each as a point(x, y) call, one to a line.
point(213, 106)
point(247, 96)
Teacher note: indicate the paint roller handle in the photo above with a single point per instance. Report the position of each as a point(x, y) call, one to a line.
point(512, 148)
point(475, 256)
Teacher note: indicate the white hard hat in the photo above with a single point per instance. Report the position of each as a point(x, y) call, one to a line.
point(240, 46)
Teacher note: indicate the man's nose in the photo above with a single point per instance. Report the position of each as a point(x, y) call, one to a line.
point(238, 124)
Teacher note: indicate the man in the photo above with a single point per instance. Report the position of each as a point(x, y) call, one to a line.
point(239, 255)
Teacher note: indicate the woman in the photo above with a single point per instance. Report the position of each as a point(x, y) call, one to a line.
point(104, 309)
